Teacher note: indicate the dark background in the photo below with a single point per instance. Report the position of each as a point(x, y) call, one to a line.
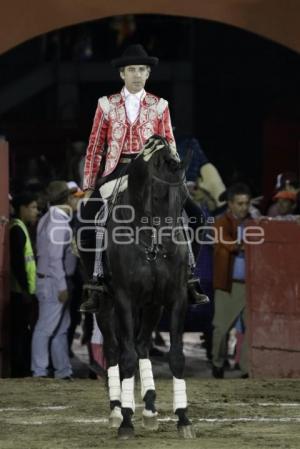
point(238, 93)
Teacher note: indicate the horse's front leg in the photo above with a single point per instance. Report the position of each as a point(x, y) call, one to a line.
point(177, 364)
point(106, 322)
point(128, 361)
point(150, 317)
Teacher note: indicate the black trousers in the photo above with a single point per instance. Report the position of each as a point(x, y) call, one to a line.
point(23, 318)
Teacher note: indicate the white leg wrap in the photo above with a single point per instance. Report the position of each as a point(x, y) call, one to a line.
point(116, 413)
point(146, 375)
point(127, 395)
point(115, 418)
point(114, 384)
point(149, 413)
point(179, 394)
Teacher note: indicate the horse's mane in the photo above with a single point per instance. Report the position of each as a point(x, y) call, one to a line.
point(146, 181)
point(153, 144)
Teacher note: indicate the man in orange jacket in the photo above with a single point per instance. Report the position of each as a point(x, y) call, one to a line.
point(229, 275)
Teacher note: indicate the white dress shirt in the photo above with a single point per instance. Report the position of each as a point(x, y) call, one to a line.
point(133, 103)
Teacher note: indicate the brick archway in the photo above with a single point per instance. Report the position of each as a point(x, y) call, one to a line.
point(269, 18)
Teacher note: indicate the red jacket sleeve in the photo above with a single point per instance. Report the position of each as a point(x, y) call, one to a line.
point(165, 126)
point(95, 149)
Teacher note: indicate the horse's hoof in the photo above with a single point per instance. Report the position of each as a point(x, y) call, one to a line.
point(187, 432)
point(150, 422)
point(125, 433)
point(115, 418)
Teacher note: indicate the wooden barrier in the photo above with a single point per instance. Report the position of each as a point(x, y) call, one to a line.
point(273, 301)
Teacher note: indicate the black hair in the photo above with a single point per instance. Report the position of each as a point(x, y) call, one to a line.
point(237, 189)
point(23, 199)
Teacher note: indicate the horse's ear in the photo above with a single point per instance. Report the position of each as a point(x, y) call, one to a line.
point(187, 159)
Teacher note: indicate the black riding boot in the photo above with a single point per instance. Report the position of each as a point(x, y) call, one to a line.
point(93, 288)
point(196, 295)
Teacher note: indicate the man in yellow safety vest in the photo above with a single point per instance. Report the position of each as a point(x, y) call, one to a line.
point(23, 281)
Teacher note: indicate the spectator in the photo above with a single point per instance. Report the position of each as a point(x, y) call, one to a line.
point(203, 179)
point(286, 203)
point(23, 286)
point(286, 182)
point(55, 263)
point(229, 276)
point(198, 158)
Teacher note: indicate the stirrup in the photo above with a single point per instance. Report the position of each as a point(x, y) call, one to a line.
point(93, 287)
point(198, 297)
point(94, 293)
point(91, 305)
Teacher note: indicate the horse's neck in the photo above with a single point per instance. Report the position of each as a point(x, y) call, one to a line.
point(164, 212)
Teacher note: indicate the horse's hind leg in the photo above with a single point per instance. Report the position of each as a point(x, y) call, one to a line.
point(177, 364)
point(149, 320)
point(128, 362)
point(106, 322)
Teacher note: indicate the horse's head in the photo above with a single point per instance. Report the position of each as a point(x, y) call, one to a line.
point(157, 176)
point(159, 161)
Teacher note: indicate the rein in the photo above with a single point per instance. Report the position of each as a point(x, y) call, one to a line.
point(157, 248)
point(171, 184)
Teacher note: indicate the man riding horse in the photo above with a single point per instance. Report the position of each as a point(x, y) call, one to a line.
point(122, 124)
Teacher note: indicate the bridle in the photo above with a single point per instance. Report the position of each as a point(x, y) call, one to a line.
point(171, 184)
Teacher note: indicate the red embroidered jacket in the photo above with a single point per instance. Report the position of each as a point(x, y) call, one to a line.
point(112, 127)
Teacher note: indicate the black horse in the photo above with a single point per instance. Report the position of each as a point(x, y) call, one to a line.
point(146, 270)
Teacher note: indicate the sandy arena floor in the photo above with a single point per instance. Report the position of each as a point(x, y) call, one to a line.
point(231, 413)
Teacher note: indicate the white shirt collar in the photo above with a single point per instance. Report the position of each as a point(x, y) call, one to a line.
point(139, 95)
